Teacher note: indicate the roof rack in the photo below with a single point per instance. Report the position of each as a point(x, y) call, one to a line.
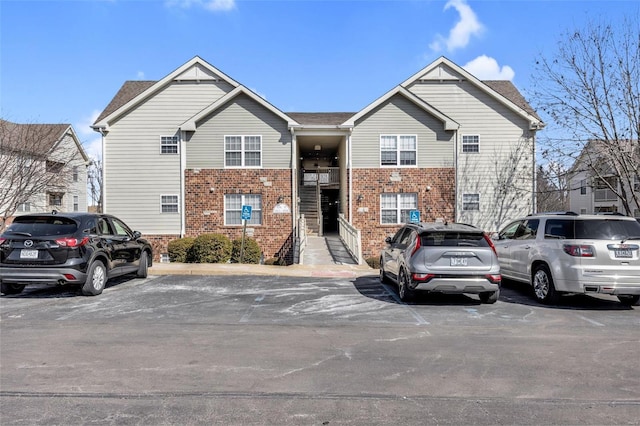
point(562, 213)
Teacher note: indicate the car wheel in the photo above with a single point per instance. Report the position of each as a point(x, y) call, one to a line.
point(629, 299)
point(8, 288)
point(143, 269)
point(543, 287)
point(405, 293)
point(383, 276)
point(96, 279)
point(490, 296)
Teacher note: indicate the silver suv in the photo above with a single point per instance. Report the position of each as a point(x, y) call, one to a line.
point(443, 258)
point(570, 253)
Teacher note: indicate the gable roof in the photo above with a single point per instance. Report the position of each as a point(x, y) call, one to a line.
point(131, 95)
point(41, 139)
point(449, 124)
point(502, 90)
point(192, 123)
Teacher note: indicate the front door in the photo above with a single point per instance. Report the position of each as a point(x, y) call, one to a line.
point(330, 210)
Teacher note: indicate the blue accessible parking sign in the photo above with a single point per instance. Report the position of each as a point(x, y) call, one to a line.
point(246, 212)
point(414, 216)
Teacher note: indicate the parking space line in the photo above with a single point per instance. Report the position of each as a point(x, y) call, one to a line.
point(247, 315)
point(413, 312)
point(596, 323)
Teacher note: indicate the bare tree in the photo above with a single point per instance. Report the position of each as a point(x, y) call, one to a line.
point(95, 183)
point(590, 87)
point(33, 163)
point(551, 188)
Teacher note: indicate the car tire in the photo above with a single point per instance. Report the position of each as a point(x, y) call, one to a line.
point(143, 268)
point(629, 299)
point(405, 293)
point(383, 276)
point(489, 296)
point(9, 288)
point(543, 288)
point(96, 279)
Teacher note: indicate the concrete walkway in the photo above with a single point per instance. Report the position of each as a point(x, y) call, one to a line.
point(327, 250)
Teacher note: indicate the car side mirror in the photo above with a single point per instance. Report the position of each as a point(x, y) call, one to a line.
point(495, 236)
point(136, 235)
point(387, 240)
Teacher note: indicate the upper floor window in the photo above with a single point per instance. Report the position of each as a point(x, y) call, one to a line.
point(169, 203)
point(75, 173)
point(54, 166)
point(583, 187)
point(233, 208)
point(76, 203)
point(168, 144)
point(604, 189)
point(471, 143)
point(471, 202)
point(243, 151)
point(636, 183)
point(24, 207)
point(398, 150)
point(55, 199)
point(396, 208)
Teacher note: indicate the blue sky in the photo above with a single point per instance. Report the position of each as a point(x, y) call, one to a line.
point(63, 61)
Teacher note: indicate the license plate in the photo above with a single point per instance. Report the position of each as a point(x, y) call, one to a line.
point(28, 254)
point(458, 261)
point(623, 253)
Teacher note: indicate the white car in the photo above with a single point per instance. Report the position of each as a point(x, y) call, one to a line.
point(571, 253)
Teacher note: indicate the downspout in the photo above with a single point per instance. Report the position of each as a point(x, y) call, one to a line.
point(350, 168)
point(294, 180)
point(534, 184)
point(456, 188)
point(183, 168)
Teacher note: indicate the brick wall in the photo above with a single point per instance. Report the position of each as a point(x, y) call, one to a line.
point(437, 202)
point(204, 204)
point(159, 244)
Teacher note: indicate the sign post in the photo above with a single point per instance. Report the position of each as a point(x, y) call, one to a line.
point(246, 215)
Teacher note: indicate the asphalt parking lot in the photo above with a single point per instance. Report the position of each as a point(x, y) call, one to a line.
point(306, 350)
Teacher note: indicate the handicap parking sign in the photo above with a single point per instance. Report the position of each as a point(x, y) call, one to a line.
point(246, 212)
point(414, 216)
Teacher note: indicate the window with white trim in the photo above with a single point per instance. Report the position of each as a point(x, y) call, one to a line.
point(471, 202)
point(168, 144)
point(471, 144)
point(55, 199)
point(398, 150)
point(233, 208)
point(243, 151)
point(169, 204)
point(75, 173)
point(396, 207)
point(76, 203)
point(24, 207)
point(636, 183)
point(583, 187)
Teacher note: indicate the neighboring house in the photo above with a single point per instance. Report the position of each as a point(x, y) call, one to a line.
point(595, 187)
point(183, 155)
point(43, 167)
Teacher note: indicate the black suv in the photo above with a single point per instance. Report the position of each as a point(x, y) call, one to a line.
point(70, 248)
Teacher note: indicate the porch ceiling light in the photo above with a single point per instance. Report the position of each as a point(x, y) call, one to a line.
point(317, 147)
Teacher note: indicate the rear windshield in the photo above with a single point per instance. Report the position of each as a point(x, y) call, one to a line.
point(454, 239)
point(599, 229)
point(33, 226)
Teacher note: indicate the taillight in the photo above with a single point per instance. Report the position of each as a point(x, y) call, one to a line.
point(577, 250)
point(72, 242)
point(418, 245)
point(2, 240)
point(494, 278)
point(422, 277)
point(490, 242)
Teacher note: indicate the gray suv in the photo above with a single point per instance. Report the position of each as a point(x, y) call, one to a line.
point(570, 253)
point(442, 258)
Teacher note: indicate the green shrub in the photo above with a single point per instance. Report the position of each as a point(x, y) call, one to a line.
point(179, 249)
point(252, 252)
point(276, 261)
point(211, 248)
point(373, 262)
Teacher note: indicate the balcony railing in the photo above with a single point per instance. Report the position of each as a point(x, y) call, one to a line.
point(322, 176)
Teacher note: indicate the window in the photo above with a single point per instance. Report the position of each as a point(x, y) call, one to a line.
point(602, 191)
point(24, 207)
point(55, 199)
point(168, 144)
point(75, 173)
point(396, 208)
point(54, 166)
point(243, 151)
point(471, 144)
point(398, 150)
point(636, 183)
point(75, 203)
point(233, 208)
point(169, 203)
point(583, 187)
point(471, 202)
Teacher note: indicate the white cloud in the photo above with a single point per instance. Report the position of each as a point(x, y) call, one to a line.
point(468, 25)
point(91, 141)
point(486, 68)
point(140, 75)
point(211, 5)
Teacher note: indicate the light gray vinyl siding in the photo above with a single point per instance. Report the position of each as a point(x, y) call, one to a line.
point(136, 173)
point(401, 116)
point(241, 116)
point(500, 130)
